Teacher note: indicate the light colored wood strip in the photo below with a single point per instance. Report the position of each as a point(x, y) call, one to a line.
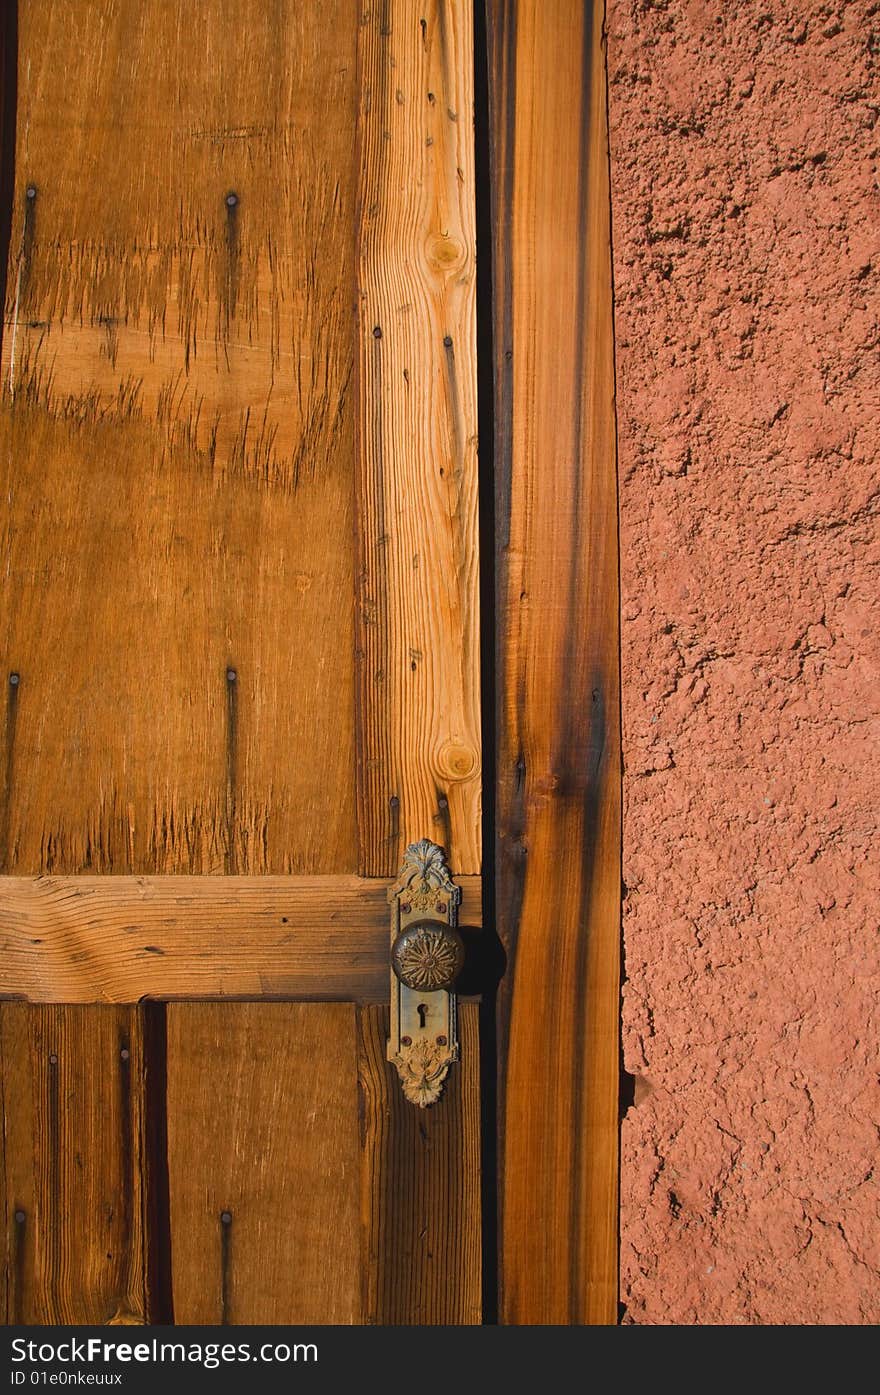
point(419, 652)
point(120, 939)
point(75, 1170)
point(177, 431)
point(263, 1163)
point(559, 752)
point(420, 1186)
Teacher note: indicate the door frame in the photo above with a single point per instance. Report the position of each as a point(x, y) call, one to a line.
point(555, 680)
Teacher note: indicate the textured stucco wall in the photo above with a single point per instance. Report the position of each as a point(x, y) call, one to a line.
point(744, 148)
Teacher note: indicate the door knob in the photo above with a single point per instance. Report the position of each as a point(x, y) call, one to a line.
point(427, 954)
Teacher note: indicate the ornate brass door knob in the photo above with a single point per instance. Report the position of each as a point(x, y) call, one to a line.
point(428, 955)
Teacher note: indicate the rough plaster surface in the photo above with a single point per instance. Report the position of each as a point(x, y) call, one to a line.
point(744, 147)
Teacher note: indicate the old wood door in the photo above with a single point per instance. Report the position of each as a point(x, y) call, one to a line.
point(242, 647)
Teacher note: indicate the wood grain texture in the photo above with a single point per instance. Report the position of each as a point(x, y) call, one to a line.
point(558, 784)
point(76, 1174)
point(177, 441)
point(418, 647)
point(120, 939)
point(263, 1163)
point(237, 644)
point(420, 1186)
point(8, 85)
point(8, 103)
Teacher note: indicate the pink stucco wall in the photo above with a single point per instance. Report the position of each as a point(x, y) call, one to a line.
point(744, 146)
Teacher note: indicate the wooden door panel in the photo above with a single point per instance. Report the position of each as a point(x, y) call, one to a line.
point(263, 1162)
point(177, 440)
point(238, 461)
point(192, 521)
point(75, 1165)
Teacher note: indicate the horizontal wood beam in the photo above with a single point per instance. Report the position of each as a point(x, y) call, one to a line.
point(123, 939)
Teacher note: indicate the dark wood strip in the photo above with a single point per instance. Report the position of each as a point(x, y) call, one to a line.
point(420, 1186)
point(121, 939)
point(558, 781)
point(76, 1171)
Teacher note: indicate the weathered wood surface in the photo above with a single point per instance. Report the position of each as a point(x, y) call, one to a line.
point(177, 430)
point(205, 673)
point(419, 648)
point(120, 939)
point(8, 66)
point(263, 1163)
point(8, 101)
point(420, 1187)
point(75, 1175)
point(558, 785)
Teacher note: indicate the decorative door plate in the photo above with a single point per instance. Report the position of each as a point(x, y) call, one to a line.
point(427, 954)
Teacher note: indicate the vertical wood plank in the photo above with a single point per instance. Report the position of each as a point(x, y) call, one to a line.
point(263, 1162)
point(558, 783)
point(420, 1187)
point(75, 1168)
point(8, 94)
point(418, 648)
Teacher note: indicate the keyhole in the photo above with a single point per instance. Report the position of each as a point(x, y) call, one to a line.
point(422, 1010)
